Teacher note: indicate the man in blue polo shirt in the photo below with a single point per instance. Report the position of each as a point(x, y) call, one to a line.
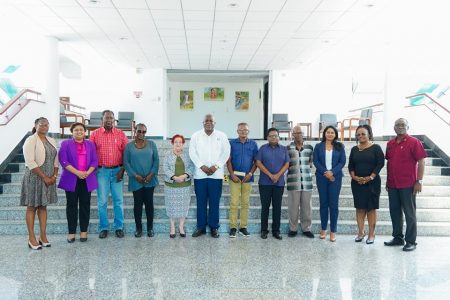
point(273, 161)
point(241, 166)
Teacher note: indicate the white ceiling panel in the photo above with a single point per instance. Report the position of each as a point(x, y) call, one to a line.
point(198, 25)
point(197, 5)
point(261, 16)
point(305, 6)
point(320, 20)
point(226, 5)
point(167, 15)
point(198, 15)
point(272, 5)
point(164, 4)
point(103, 13)
point(206, 34)
point(229, 16)
point(70, 12)
point(333, 5)
point(136, 4)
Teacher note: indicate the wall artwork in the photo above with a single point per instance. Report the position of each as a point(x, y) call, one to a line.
point(186, 100)
point(213, 94)
point(241, 101)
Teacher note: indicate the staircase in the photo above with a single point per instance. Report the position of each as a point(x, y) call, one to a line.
point(433, 204)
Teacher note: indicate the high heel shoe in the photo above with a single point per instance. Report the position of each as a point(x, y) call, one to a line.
point(172, 235)
point(182, 233)
point(332, 237)
point(359, 238)
point(323, 234)
point(44, 244)
point(31, 246)
point(83, 239)
point(370, 241)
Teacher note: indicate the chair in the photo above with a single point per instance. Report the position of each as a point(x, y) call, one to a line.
point(94, 121)
point(125, 121)
point(282, 123)
point(351, 124)
point(327, 120)
point(63, 119)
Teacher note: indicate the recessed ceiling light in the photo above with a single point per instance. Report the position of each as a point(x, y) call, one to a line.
point(370, 5)
point(223, 41)
point(325, 41)
point(94, 1)
point(123, 38)
point(233, 5)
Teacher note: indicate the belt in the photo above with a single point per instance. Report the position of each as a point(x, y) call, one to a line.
point(113, 167)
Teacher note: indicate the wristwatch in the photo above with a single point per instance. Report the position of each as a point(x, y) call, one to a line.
point(251, 174)
point(371, 177)
point(217, 167)
point(419, 181)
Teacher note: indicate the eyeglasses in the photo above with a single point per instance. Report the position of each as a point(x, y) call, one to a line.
point(361, 134)
point(141, 131)
point(298, 133)
point(273, 135)
point(243, 130)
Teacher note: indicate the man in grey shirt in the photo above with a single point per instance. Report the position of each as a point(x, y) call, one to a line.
point(299, 184)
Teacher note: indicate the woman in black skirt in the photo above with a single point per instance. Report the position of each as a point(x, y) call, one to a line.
point(365, 163)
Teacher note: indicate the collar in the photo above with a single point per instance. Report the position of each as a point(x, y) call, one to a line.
point(404, 139)
point(103, 130)
point(237, 140)
point(204, 133)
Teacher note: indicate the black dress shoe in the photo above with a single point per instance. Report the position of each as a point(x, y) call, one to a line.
point(119, 233)
point(395, 242)
point(172, 235)
point(83, 239)
point(308, 234)
point(292, 233)
point(138, 233)
point(103, 234)
point(277, 235)
point(264, 234)
point(70, 241)
point(199, 232)
point(409, 247)
point(150, 233)
point(183, 235)
point(215, 233)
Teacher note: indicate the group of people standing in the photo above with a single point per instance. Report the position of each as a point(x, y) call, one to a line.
point(100, 162)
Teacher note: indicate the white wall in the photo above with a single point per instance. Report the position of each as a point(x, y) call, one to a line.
point(227, 118)
point(105, 86)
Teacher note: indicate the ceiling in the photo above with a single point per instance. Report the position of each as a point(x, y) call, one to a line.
point(197, 34)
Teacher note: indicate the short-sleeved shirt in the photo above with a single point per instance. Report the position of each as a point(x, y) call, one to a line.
point(299, 173)
point(402, 161)
point(273, 158)
point(110, 146)
point(243, 155)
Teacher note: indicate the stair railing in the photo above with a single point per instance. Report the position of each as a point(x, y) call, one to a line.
point(16, 104)
point(445, 119)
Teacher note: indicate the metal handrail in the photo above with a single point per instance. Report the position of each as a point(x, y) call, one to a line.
point(14, 106)
point(429, 108)
point(432, 100)
point(365, 107)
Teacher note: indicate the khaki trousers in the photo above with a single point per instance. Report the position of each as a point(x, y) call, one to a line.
point(240, 194)
point(300, 200)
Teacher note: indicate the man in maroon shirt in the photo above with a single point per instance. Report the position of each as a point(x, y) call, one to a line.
point(405, 167)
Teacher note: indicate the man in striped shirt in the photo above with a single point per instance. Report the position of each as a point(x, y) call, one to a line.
point(299, 184)
point(110, 143)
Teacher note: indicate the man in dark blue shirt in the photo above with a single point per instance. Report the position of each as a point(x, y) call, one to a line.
point(241, 166)
point(273, 161)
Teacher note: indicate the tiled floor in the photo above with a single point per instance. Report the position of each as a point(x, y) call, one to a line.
point(207, 268)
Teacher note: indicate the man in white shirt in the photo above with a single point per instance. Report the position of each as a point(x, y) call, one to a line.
point(209, 150)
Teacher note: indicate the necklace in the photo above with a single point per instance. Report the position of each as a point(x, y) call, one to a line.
point(360, 148)
point(140, 146)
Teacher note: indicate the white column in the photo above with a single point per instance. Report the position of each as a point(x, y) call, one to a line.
point(50, 82)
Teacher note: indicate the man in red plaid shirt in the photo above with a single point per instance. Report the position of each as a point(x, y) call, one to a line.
point(110, 143)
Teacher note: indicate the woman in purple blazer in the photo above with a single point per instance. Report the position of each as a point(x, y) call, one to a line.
point(79, 161)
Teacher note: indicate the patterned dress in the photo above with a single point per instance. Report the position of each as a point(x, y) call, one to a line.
point(177, 194)
point(34, 191)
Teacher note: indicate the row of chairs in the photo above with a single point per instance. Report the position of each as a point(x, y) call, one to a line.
point(125, 121)
point(282, 123)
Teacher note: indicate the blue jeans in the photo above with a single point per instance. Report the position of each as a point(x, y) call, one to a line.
point(106, 184)
point(329, 201)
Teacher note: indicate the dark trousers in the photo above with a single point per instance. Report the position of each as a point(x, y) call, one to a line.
point(403, 201)
point(271, 194)
point(329, 201)
point(81, 197)
point(208, 192)
point(143, 196)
